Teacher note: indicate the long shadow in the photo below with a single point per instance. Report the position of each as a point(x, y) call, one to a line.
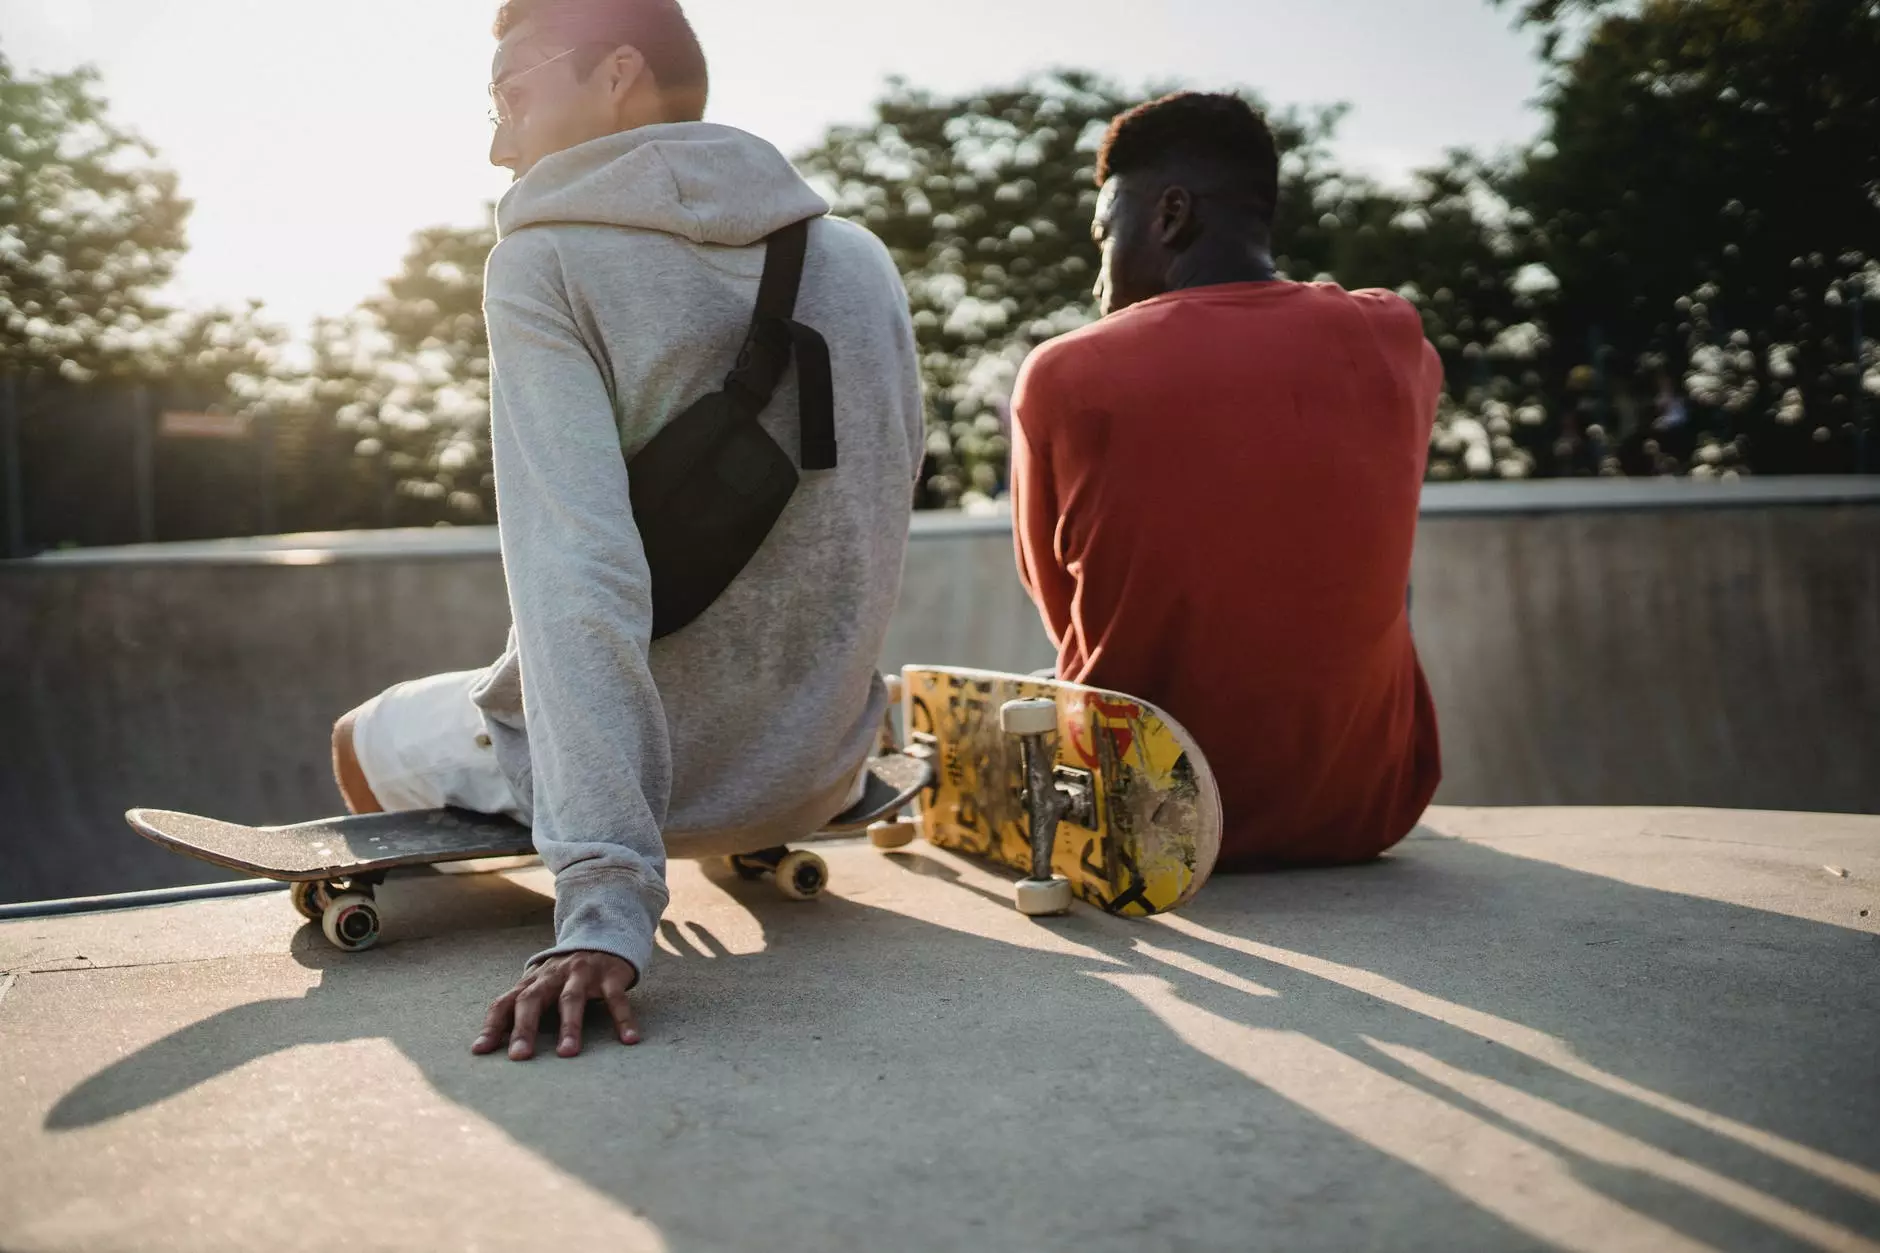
point(1287, 1056)
point(1752, 1073)
point(1750, 1015)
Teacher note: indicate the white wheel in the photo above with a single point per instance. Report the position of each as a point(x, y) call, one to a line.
point(310, 899)
point(802, 875)
point(1039, 898)
point(897, 834)
point(351, 922)
point(1028, 717)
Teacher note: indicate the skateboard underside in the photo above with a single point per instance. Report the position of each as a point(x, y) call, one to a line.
point(1150, 832)
point(364, 844)
point(336, 848)
point(336, 864)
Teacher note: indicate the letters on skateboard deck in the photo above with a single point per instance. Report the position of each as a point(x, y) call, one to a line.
point(1089, 793)
point(335, 863)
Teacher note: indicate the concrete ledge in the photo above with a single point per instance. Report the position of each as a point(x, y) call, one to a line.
point(1578, 655)
point(1644, 495)
point(1439, 500)
point(1531, 1029)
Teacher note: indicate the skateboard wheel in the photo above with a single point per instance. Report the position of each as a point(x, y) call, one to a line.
point(802, 875)
point(1039, 898)
point(351, 922)
point(1028, 717)
point(310, 899)
point(897, 834)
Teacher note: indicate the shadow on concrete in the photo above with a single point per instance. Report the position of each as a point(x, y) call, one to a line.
point(1454, 1048)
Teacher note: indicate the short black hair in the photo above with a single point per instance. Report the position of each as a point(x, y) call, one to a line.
point(659, 29)
point(1216, 128)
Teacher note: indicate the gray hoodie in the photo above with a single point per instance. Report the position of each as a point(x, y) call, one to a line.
point(619, 292)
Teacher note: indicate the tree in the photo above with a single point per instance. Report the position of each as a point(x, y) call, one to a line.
point(984, 202)
point(1708, 196)
point(403, 383)
point(90, 229)
point(1558, 20)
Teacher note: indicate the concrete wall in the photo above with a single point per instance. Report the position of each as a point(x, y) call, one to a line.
point(1588, 643)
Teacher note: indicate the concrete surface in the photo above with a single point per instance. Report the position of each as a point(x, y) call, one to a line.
point(1526, 1029)
point(1587, 642)
point(1719, 657)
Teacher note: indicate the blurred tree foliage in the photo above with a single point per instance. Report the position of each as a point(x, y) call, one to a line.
point(387, 422)
point(1559, 21)
point(90, 231)
point(1707, 197)
point(404, 380)
point(984, 202)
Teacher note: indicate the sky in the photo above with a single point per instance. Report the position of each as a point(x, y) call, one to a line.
point(314, 138)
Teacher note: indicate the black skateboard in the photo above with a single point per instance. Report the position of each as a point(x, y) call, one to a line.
point(335, 863)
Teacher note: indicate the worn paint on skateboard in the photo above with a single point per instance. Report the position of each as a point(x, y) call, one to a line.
point(1146, 843)
point(338, 860)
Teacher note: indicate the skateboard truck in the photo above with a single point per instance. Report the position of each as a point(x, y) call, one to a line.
point(1050, 800)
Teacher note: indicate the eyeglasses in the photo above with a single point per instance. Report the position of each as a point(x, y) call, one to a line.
point(500, 112)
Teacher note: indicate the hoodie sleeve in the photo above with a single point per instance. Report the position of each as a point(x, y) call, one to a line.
point(581, 596)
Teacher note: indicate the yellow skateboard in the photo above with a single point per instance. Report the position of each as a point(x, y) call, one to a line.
point(1087, 793)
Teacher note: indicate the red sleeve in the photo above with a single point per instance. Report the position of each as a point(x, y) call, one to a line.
point(1399, 327)
point(1036, 511)
point(1431, 393)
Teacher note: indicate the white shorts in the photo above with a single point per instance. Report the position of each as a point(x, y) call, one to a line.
point(423, 745)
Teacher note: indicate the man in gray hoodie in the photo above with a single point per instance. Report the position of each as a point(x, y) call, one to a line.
point(620, 292)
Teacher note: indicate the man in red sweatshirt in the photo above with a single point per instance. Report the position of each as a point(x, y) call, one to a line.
point(1215, 492)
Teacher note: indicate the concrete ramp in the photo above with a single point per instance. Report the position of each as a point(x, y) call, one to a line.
point(1526, 1029)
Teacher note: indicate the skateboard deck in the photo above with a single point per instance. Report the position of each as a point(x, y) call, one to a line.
point(362, 844)
point(337, 859)
point(1144, 822)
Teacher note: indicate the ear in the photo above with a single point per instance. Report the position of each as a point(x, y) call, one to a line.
point(624, 66)
point(1175, 221)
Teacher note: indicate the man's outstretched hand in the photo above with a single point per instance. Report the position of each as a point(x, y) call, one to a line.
point(566, 983)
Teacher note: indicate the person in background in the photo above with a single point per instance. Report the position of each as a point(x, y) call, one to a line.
point(1215, 491)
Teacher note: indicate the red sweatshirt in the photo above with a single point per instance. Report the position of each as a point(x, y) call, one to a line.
point(1215, 497)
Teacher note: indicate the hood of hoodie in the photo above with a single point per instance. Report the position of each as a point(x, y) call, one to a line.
point(706, 183)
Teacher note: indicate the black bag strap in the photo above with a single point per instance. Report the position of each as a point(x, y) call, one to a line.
point(774, 338)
